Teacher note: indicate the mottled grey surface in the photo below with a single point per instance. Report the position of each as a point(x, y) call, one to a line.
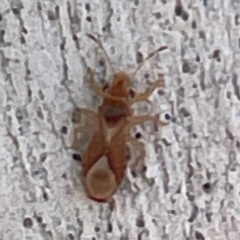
point(190, 186)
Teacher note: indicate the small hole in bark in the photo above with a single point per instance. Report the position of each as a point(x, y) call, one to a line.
point(139, 57)
point(185, 15)
point(199, 236)
point(167, 117)
point(138, 135)
point(194, 24)
point(27, 223)
point(178, 10)
point(207, 187)
point(88, 7)
point(89, 19)
point(64, 130)
point(77, 157)
point(185, 68)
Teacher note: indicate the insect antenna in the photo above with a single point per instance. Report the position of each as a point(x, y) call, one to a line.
point(150, 55)
point(99, 43)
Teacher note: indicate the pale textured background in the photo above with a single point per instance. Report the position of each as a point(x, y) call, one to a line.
point(43, 53)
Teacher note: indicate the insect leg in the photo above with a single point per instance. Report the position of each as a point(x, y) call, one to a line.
point(94, 85)
point(77, 130)
point(133, 121)
point(140, 147)
point(139, 97)
point(76, 117)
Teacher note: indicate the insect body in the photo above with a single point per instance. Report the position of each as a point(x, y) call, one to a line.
point(105, 160)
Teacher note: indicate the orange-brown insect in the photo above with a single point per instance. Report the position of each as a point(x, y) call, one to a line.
point(105, 161)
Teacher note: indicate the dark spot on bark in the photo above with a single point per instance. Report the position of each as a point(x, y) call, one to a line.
point(194, 24)
point(238, 144)
point(140, 222)
point(24, 30)
point(235, 85)
point(173, 212)
point(202, 34)
point(132, 93)
point(139, 57)
point(28, 72)
point(64, 175)
point(109, 227)
point(1, 17)
point(43, 157)
point(165, 142)
point(45, 196)
point(216, 53)
point(20, 114)
point(207, 187)
point(236, 19)
point(194, 213)
point(161, 92)
point(229, 134)
point(199, 236)
point(16, 11)
point(89, 19)
point(70, 236)
point(75, 38)
point(52, 16)
point(185, 67)
point(136, 2)
point(64, 130)
point(194, 85)
point(178, 10)
point(185, 15)
point(167, 117)
point(39, 6)
point(43, 225)
point(77, 157)
point(229, 187)
point(40, 113)
point(146, 75)
point(181, 92)
point(184, 112)
point(62, 45)
point(198, 59)
point(157, 15)
point(2, 33)
point(190, 197)
point(228, 95)
point(39, 219)
point(209, 216)
point(138, 135)
point(101, 63)
point(97, 229)
point(144, 169)
point(41, 95)
point(88, 7)
point(27, 222)
point(134, 174)
point(22, 39)
point(194, 135)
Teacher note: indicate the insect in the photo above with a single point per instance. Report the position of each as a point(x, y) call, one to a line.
point(105, 161)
